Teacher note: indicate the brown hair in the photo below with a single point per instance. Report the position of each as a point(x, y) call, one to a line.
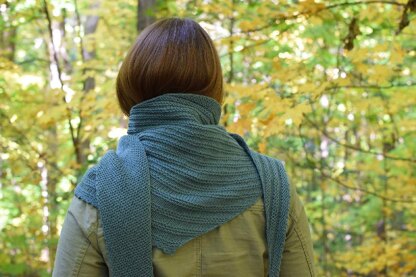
point(171, 55)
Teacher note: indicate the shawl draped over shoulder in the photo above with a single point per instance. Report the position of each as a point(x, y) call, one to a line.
point(176, 175)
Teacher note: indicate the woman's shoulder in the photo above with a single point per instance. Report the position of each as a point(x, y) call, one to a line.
point(85, 214)
point(296, 205)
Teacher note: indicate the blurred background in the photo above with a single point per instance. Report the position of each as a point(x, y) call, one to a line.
point(329, 87)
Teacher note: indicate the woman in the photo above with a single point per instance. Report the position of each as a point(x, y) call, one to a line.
point(181, 196)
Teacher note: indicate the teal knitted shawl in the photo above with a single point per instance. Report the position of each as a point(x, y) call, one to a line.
point(176, 175)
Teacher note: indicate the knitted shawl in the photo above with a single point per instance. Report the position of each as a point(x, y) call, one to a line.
point(176, 175)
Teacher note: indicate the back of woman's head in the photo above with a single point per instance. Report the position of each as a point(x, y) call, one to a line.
point(171, 55)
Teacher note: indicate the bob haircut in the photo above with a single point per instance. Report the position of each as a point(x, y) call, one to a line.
point(170, 55)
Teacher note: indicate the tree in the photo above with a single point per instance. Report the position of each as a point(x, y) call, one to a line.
point(326, 86)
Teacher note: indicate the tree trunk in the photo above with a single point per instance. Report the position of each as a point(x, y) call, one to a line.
point(145, 13)
point(90, 26)
point(8, 37)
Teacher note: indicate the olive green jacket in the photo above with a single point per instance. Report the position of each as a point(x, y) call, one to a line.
point(237, 248)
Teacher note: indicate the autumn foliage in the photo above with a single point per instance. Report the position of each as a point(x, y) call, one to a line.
point(327, 86)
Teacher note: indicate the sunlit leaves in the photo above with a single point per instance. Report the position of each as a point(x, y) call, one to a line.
point(342, 118)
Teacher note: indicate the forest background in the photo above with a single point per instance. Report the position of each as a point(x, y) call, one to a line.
point(327, 86)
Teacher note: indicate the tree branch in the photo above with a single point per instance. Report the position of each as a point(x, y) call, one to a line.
point(28, 142)
point(412, 160)
point(58, 67)
point(365, 190)
point(329, 7)
point(310, 161)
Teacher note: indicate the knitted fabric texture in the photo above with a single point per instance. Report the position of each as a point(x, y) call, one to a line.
point(176, 175)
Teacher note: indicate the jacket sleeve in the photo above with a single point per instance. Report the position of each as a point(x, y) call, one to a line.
point(297, 258)
point(78, 252)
